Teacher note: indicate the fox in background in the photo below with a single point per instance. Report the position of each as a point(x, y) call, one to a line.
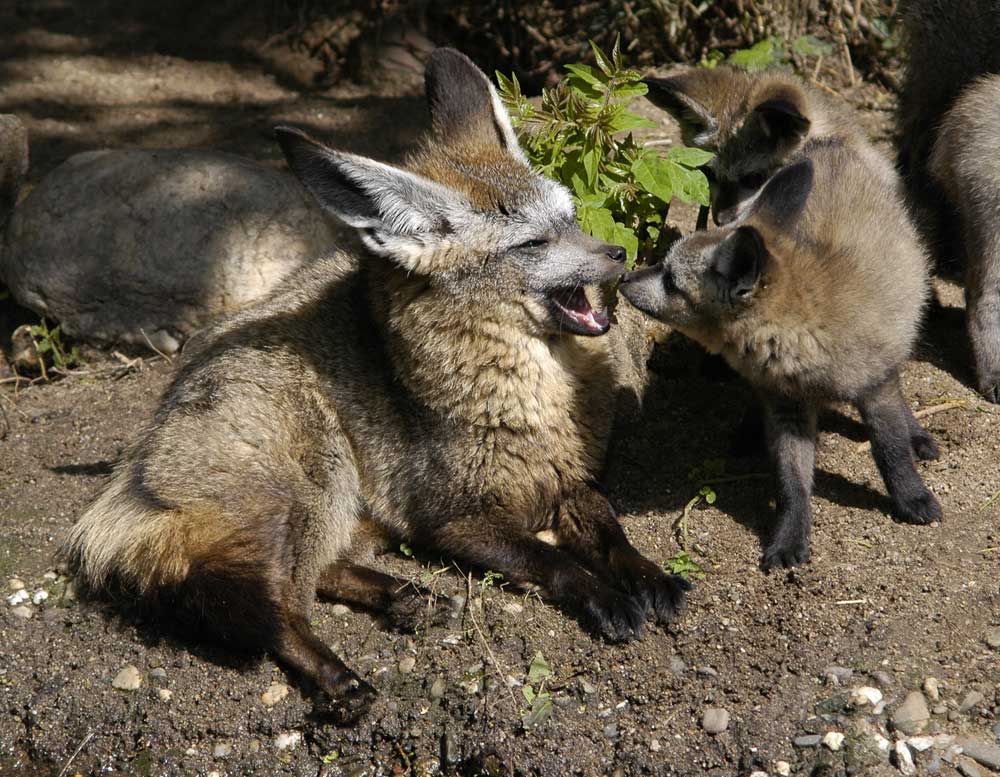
point(949, 126)
point(451, 384)
point(814, 295)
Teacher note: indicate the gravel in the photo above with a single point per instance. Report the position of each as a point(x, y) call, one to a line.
point(715, 720)
point(809, 740)
point(274, 693)
point(129, 678)
point(987, 755)
point(912, 715)
point(972, 699)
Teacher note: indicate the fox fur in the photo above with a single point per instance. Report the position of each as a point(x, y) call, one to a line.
point(815, 295)
point(450, 383)
point(949, 127)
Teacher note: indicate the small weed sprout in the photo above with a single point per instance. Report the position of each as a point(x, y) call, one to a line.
point(581, 135)
point(534, 692)
point(49, 341)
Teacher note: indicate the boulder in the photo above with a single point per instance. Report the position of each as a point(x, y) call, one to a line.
point(121, 246)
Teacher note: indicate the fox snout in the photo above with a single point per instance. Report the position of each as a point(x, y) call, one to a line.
point(645, 288)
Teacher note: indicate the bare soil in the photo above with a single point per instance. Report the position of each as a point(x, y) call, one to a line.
point(893, 603)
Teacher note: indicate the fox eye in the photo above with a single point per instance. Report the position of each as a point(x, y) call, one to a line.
point(753, 180)
point(537, 243)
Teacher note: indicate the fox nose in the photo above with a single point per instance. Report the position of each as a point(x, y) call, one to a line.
point(617, 254)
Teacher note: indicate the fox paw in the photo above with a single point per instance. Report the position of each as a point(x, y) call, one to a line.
point(921, 508)
point(784, 554)
point(989, 387)
point(413, 608)
point(347, 703)
point(614, 615)
point(660, 593)
point(924, 447)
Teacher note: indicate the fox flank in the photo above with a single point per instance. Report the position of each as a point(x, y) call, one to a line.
point(753, 122)
point(452, 383)
point(815, 295)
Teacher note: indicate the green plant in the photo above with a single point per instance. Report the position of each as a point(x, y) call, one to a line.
point(581, 135)
point(49, 341)
point(490, 579)
point(770, 52)
point(534, 692)
point(682, 564)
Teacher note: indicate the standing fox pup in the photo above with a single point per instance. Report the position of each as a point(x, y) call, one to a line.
point(814, 296)
point(950, 140)
point(453, 388)
point(753, 123)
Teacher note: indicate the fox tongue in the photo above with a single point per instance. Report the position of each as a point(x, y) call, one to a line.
point(576, 306)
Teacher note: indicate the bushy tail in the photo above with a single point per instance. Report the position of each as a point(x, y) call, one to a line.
point(13, 162)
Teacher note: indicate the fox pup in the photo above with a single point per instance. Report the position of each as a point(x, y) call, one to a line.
point(753, 122)
point(451, 384)
point(814, 296)
point(949, 123)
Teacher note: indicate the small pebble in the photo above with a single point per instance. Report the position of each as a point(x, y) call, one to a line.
point(158, 674)
point(920, 743)
point(758, 774)
point(996, 731)
point(611, 731)
point(972, 699)
point(18, 597)
point(128, 678)
point(164, 694)
point(39, 596)
point(838, 675)
point(15, 584)
point(51, 575)
point(438, 687)
point(214, 774)
point(706, 671)
point(968, 768)
point(715, 720)
point(940, 709)
point(275, 693)
point(677, 666)
point(809, 740)
point(587, 687)
point(513, 608)
point(783, 768)
point(406, 664)
point(23, 611)
point(986, 755)
point(884, 745)
point(254, 746)
point(654, 745)
point(866, 694)
point(912, 715)
point(339, 610)
point(932, 688)
point(882, 678)
point(222, 750)
point(904, 760)
point(833, 740)
point(993, 637)
point(287, 740)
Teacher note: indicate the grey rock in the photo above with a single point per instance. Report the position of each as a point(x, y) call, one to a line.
point(112, 244)
point(996, 731)
point(882, 678)
point(706, 671)
point(407, 664)
point(222, 750)
point(809, 740)
point(912, 715)
point(715, 720)
point(972, 699)
point(993, 637)
point(587, 687)
point(611, 731)
point(158, 674)
point(438, 687)
point(982, 753)
point(839, 675)
point(677, 666)
point(23, 611)
point(968, 769)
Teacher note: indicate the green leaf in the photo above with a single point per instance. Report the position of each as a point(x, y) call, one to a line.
point(626, 121)
point(758, 57)
point(652, 173)
point(626, 237)
point(629, 90)
point(591, 160)
point(528, 693)
point(602, 60)
point(811, 46)
point(541, 710)
point(585, 73)
point(539, 668)
point(598, 222)
point(690, 157)
point(405, 549)
point(690, 185)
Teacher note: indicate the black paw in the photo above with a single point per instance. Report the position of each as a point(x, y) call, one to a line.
point(924, 447)
point(414, 608)
point(345, 703)
point(922, 508)
point(660, 594)
point(614, 615)
point(989, 387)
point(784, 554)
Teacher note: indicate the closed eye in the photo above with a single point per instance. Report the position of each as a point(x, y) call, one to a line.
point(537, 243)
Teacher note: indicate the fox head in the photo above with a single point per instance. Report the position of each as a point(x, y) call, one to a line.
point(712, 279)
point(467, 217)
point(753, 123)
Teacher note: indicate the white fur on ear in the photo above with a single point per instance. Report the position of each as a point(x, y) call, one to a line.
point(502, 118)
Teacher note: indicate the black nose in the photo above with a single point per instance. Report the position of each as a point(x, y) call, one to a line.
point(617, 254)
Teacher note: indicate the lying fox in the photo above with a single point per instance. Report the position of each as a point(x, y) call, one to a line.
point(815, 295)
point(451, 384)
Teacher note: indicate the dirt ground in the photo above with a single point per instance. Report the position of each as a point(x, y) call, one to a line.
point(881, 604)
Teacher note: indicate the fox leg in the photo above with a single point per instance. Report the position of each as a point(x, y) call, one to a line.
point(922, 442)
point(502, 544)
point(399, 602)
point(887, 418)
point(586, 525)
point(982, 294)
point(791, 433)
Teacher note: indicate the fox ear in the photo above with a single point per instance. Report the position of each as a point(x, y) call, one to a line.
point(688, 97)
point(738, 263)
point(464, 106)
point(784, 196)
point(399, 214)
point(782, 116)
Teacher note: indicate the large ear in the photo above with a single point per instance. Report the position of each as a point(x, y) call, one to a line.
point(784, 196)
point(782, 116)
point(739, 262)
point(398, 213)
point(465, 108)
point(690, 98)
